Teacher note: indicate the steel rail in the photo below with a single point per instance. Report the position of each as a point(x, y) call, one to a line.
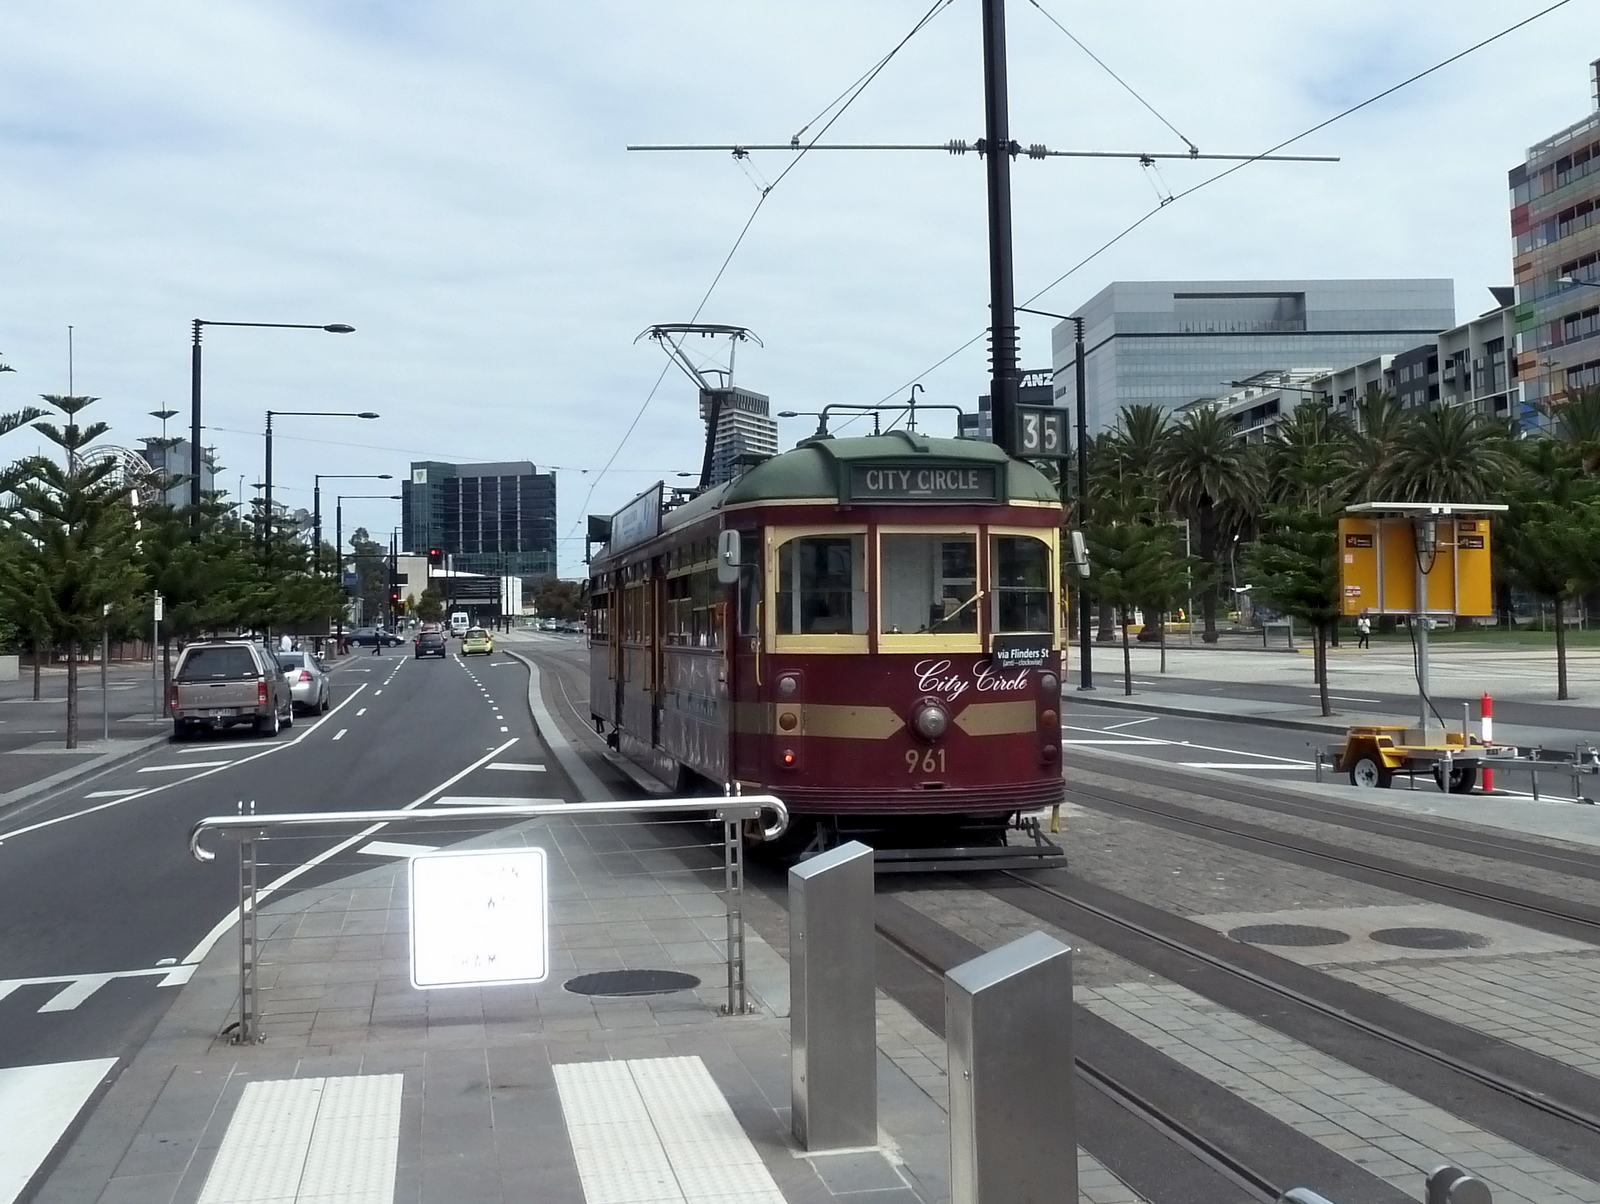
point(1488, 1078)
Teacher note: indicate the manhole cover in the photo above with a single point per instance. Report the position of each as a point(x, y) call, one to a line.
point(1430, 938)
point(1288, 934)
point(631, 982)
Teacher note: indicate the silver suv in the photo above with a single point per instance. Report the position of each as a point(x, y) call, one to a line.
point(222, 683)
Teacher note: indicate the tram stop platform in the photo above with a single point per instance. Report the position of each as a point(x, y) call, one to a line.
point(367, 1090)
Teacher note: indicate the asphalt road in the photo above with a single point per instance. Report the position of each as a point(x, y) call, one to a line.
point(100, 898)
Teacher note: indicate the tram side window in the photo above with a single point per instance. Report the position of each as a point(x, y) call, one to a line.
point(822, 586)
point(929, 583)
point(600, 616)
point(1020, 568)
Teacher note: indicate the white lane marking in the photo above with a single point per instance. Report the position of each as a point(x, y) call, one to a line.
point(504, 729)
point(490, 800)
point(75, 988)
point(395, 848)
point(1293, 767)
point(37, 1103)
point(1130, 723)
point(184, 765)
point(1233, 752)
point(339, 735)
point(1142, 743)
point(1345, 698)
point(197, 954)
point(375, 693)
point(515, 767)
point(361, 712)
point(683, 1143)
point(111, 793)
point(128, 798)
point(310, 1139)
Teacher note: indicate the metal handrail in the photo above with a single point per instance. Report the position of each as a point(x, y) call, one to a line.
point(747, 806)
point(730, 811)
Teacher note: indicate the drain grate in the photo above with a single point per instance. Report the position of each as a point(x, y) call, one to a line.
point(1430, 938)
point(1288, 934)
point(631, 982)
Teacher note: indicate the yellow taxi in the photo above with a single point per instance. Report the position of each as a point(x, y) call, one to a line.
point(476, 639)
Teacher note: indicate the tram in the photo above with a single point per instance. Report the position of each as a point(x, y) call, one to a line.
point(869, 628)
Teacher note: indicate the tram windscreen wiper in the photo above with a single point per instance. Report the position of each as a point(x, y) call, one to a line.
point(934, 626)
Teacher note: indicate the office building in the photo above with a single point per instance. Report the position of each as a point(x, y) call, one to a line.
point(746, 430)
point(487, 518)
point(1556, 262)
point(1034, 390)
point(1172, 342)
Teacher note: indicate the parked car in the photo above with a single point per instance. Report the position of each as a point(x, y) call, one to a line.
point(366, 637)
point(476, 640)
point(308, 682)
point(430, 643)
point(223, 683)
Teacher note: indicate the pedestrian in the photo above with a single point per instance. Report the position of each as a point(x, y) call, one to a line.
point(377, 642)
point(1363, 632)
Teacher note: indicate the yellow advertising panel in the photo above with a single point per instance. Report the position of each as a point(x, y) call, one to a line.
point(1379, 566)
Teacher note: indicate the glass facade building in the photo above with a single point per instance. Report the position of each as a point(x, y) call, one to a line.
point(1173, 342)
point(1555, 226)
point(495, 519)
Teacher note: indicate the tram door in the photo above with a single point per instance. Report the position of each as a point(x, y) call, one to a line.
point(745, 671)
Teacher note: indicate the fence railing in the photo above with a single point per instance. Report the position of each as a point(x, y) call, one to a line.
point(249, 830)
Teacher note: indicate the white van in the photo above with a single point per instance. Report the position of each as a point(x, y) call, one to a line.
point(459, 622)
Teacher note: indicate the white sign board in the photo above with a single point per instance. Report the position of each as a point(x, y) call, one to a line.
point(479, 918)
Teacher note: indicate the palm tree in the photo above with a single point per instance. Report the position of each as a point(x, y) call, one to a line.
point(1215, 481)
point(1134, 493)
point(1576, 421)
point(1379, 424)
point(1309, 459)
point(1447, 454)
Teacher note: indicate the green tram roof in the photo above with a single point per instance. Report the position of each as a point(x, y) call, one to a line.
point(815, 469)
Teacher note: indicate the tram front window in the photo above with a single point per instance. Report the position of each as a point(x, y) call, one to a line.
point(821, 586)
point(928, 583)
point(1020, 568)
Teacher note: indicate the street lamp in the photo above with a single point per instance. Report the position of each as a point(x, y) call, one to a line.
point(1569, 279)
point(195, 452)
point(338, 540)
point(267, 526)
point(316, 504)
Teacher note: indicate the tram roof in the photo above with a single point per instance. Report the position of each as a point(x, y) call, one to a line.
point(816, 468)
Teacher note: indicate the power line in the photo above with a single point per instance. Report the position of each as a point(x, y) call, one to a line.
point(852, 93)
point(1193, 149)
point(1321, 125)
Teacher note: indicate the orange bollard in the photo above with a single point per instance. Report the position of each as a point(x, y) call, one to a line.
point(1486, 711)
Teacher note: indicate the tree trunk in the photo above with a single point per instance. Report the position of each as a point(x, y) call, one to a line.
point(1107, 633)
point(1127, 659)
point(1561, 649)
point(38, 655)
point(1154, 630)
point(1163, 647)
point(166, 668)
point(1502, 605)
point(72, 693)
point(1208, 554)
point(1319, 646)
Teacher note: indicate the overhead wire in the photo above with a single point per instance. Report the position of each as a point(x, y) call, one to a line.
point(1193, 149)
point(1190, 191)
point(850, 95)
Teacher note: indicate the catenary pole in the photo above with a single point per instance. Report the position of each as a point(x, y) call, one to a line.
point(997, 167)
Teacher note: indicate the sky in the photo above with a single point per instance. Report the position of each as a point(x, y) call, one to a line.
point(450, 177)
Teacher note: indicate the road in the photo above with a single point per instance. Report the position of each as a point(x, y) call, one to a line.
point(103, 912)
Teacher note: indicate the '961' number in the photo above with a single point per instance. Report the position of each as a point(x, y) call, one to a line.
point(928, 761)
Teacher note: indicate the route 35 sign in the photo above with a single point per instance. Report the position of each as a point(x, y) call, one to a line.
point(1041, 433)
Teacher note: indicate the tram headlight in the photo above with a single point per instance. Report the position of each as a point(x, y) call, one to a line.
point(788, 685)
point(1049, 683)
point(930, 720)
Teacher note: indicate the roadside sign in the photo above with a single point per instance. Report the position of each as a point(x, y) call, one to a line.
point(161, 608)
point(1041, 433)
point(1382, 564)
point(479, 917)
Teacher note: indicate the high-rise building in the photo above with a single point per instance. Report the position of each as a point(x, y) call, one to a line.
point(1555, 225)
point(174, 462)
point(1171, 342)
point(497, 519)
point(745, 428)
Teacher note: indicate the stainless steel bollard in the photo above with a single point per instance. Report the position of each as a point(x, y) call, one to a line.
point(1013, 1117)
point(833, 1022)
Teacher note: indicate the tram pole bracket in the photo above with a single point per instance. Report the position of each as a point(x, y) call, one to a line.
point(1008, 1026)
point(833, 1027)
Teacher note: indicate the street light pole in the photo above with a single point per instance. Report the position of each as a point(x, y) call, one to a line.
point(338, 551)
point(196, 455)
point(267, 526)
point(316, 505)
point(998, 149)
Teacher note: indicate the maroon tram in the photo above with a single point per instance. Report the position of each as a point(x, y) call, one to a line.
point(869, 628)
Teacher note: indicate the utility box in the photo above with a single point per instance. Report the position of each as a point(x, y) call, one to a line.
point(1386, 559)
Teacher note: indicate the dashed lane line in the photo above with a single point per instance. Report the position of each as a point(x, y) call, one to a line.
point(182, 765)
point(339, 735)
point(516, 768)
point(361, 712)
point(128, 798)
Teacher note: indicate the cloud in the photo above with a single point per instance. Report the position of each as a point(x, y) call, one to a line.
point(450, 178)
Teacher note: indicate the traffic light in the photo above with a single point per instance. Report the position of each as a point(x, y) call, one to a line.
point(435, 557)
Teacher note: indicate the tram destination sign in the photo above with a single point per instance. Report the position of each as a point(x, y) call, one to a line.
point(924, 483)
point(1020, 651)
